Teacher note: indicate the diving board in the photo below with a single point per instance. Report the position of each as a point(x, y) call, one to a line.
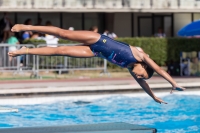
point(89, 128)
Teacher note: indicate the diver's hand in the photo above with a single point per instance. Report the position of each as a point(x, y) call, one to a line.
point(158, 100)
point(18, 27)
point(178, 88)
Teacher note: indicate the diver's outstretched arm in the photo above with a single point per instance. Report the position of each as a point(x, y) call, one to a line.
point(161, 72)
point(86, 37)
point(146, 88)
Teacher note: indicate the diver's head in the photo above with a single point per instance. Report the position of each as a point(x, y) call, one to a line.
point(142, 70)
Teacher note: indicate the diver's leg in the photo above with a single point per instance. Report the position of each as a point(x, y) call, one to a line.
point(72, 51)
point(86, 37)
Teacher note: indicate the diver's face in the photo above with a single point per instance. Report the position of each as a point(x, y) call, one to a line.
point(139, 71)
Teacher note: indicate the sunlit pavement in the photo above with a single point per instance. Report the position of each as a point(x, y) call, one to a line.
point(98, 85)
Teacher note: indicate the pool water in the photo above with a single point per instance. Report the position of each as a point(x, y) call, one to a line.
point(180, 115)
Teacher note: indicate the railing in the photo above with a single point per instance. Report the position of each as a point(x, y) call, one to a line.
point(18, 64)
point(36, 63)
point(65, 63)
point(100, 4)
point(189, 63)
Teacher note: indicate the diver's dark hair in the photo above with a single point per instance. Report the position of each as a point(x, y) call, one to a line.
point(150, 71)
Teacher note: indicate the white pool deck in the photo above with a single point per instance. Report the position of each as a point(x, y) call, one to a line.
point(100, 85)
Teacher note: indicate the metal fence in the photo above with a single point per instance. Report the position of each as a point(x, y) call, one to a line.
point(17, 64)
point(37, 63)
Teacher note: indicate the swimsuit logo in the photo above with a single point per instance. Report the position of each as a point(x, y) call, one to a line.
point(104, 40)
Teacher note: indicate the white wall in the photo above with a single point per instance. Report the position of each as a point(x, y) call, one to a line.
point(180, 20)
point(196, 16)
point(122, 24)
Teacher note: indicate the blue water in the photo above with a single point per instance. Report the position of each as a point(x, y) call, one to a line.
point(180, 115)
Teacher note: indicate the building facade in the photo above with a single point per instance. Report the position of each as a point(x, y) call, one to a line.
point(127, 18)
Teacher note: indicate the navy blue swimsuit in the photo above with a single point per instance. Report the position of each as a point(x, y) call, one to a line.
point(116, 52)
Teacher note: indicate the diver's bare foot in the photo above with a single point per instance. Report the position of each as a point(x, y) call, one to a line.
point(18, 52)
point(19, 27)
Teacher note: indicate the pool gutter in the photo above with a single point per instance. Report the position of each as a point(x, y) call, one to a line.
point(91, 89)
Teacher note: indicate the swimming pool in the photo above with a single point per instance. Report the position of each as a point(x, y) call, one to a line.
point(180, 115)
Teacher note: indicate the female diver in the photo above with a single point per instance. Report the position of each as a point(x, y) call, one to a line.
point(134, 59)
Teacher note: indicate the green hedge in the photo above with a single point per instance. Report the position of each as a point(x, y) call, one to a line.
point(160, 50)
point(155, 47)
point(37, 42)
point(177, 45)
point(62, 41)
point(34, 42)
